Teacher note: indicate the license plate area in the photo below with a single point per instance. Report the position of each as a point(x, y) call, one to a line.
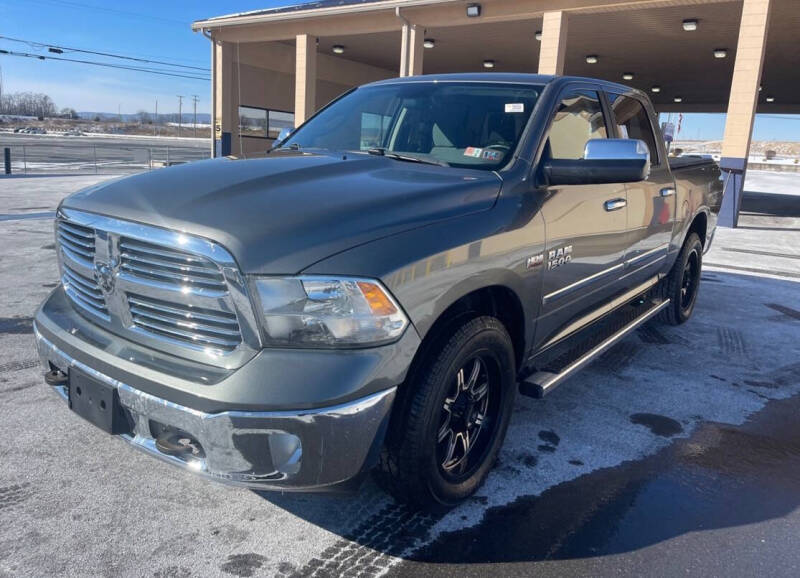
point(97, 402)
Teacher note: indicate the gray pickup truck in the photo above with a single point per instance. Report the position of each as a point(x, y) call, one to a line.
point(372, 292)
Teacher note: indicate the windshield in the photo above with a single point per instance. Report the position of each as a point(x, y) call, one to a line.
point(461, 124)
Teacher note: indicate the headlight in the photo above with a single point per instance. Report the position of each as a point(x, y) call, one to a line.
point(327, 312)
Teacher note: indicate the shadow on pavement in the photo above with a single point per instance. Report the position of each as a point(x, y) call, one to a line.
point(770, 204)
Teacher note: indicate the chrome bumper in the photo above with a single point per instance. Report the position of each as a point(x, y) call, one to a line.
point(283, 450)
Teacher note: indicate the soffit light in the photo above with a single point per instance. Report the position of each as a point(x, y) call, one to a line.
point(690, 25)
point(627, 76)
point(429, 43)
point(678, 99)
point(538, 35)
point(488, 63)
point(338, 49)
point(720, 53)
point(474, 10)
point(591, 59)
point(655, 89)
point(770, 99)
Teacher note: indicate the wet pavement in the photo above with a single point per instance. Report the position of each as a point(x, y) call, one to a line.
point(722, 502)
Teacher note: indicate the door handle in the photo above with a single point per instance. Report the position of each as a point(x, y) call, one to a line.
point(615, 204)
point(667, 192)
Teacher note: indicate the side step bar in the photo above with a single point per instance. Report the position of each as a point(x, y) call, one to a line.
point(543, 382)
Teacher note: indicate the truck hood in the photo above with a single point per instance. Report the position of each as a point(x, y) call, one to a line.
point(282, 213)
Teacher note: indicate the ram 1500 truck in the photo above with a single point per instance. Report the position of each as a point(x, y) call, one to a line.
point(372, 292)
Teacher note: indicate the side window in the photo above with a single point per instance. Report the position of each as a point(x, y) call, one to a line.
point(579, 118)
point(634, 122)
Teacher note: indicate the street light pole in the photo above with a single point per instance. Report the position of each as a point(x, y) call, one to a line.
point(180, 112)
point(195, 98)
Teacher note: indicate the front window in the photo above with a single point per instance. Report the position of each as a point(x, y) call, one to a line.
point(460, 124)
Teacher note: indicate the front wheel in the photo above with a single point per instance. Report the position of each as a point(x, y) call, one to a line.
point(442, 446)
point(683, 282)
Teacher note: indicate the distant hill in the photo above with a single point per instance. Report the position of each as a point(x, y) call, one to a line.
point(202, 118)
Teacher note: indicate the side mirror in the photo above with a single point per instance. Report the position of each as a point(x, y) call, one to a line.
point(284, 134)
point(607, 160)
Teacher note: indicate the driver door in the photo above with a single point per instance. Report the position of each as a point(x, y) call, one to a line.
point(585, 225)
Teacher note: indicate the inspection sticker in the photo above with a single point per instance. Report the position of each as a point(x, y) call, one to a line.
point(515, 107)
point(491, 155)
point(474, 152)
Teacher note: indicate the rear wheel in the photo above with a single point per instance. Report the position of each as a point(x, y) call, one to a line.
point(683, 282)
point(447, 436)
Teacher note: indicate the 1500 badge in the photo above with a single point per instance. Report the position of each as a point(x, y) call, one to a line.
point(557, 257)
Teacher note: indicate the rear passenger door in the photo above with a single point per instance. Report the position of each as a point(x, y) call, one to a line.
point(585, 224)
point(651, 203)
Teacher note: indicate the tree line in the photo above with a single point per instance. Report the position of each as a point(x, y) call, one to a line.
point(28, 104)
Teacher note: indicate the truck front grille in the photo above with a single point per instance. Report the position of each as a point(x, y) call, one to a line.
point(171, 266)
point(84, 292)
point(161, 288)
point(193, 325)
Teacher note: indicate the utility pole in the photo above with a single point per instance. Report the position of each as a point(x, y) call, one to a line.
point(119, 112)
point(180, 112)
point(155, 121)
point(195, 98)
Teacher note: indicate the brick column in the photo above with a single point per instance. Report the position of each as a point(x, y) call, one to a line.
point(305, 78)
point(411, 50)
point(742, 105)
point(553, 48)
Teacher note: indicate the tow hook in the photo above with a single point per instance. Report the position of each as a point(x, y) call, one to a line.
point(179, 444)
point(55, 377)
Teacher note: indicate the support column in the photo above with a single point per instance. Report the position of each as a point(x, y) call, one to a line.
point(553, 49)
point(226, 108)
point(742, 106)
point(412, 50)
point(305, 79)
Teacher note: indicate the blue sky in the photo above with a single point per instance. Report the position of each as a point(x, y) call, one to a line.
point(161, 30)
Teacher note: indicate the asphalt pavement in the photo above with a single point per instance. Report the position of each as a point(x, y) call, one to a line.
point(676, 453)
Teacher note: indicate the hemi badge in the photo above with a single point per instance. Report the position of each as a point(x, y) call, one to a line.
point(534, 261)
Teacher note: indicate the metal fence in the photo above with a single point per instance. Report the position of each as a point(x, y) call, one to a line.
point(98, 159)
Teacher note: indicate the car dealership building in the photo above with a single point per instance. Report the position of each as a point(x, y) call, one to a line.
point(273, 68)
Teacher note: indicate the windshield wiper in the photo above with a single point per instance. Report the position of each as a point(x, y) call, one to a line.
point(382, 152)
point(292, 147)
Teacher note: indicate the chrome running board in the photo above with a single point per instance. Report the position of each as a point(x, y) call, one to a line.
point(543, 382)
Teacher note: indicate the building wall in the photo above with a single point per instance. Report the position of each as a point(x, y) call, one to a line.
point(263, 76)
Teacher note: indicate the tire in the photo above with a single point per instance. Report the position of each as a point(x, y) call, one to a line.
point(683, 282)
point(425, 461)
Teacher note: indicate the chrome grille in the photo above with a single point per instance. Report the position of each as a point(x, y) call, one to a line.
point(76, 239)
point(196, 325)
point(170, 266)
point(168, 290)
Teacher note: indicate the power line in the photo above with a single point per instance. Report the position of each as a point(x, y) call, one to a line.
point(106, 65)
point(127, 13)
point(55, 47)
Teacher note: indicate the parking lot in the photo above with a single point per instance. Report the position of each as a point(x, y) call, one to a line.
point(676, 453)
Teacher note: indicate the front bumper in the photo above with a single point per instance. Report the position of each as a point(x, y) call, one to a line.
point(285, 419)
point(302, 450)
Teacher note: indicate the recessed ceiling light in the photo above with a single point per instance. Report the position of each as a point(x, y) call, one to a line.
point(690, 25)
point(760, 88)
point(429, 43)
point(678, 99)
point(720, 53)
point(538, 35)
point(770, 99)
point(655, 89)
point(591, 59)
point(488, 63)
point(474, 10)
point(627, 76)
point(338, 49)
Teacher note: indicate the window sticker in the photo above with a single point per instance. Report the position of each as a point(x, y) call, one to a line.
point(492, 155)
point(515, 107)
point(473, 152)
